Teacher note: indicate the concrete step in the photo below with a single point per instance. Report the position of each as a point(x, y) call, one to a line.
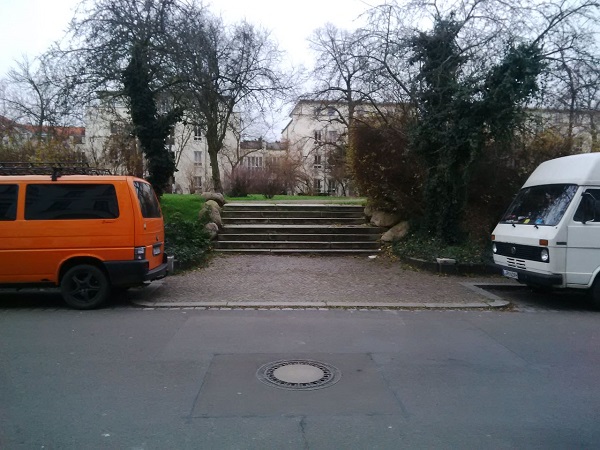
point(294, 220)
point(299, 245)
point(296, 229)
point(295, 237)
point(230, 215)
point(299, 229)
point(326, 252)
point(291, 207)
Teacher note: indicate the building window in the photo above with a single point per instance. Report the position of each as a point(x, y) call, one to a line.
point(318, 136)
point(332, 136)
point(197, 157)
point(254, 161)
point(117, 128)
point(198, 182)
point(330, 111)
point(317, 185)
point(332, 186)
point(197, 133)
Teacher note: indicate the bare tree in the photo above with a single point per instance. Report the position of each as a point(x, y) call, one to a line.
point(223, 68)
point(38, 93)
point(344, 73)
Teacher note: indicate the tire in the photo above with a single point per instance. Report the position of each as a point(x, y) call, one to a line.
point(85, 287)
point(595, 294)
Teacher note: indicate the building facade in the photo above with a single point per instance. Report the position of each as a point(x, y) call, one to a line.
point(110, 143)
point(317, 134)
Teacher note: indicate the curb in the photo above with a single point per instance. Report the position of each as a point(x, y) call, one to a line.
point(321, 305)
point(445, 268)
point(493, 301)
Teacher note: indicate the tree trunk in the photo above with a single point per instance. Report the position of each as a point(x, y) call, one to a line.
point(216, 173)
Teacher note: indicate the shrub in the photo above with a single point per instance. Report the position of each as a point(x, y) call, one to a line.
point(500, 173)
point(384, 169)
point(268, 183)
point(186, 240)
point(239, 182)
point(422, 246)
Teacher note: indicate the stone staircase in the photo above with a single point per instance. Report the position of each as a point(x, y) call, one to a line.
point(325, 229)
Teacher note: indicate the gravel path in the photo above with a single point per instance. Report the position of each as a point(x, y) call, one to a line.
point(304, 279)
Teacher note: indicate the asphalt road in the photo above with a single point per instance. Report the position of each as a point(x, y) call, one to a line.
point(130, 378)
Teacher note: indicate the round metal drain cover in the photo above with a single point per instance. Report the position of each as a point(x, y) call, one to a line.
point(298, 374)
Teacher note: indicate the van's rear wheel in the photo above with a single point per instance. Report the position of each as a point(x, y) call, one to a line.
point(85, 287)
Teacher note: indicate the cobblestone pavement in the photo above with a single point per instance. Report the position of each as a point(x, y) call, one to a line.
point(256, 280)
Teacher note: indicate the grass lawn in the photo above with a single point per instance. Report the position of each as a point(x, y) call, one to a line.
point(299, 198)
point(187, 205)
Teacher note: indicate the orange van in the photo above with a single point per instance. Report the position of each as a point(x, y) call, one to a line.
point(87, 234)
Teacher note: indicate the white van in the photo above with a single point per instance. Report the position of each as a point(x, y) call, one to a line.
point(550, 234)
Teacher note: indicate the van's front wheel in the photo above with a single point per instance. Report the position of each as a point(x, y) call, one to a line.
point(85, 287)
point(594, 294)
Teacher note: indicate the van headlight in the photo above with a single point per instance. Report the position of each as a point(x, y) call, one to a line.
point(494, 248)
point(544, 255)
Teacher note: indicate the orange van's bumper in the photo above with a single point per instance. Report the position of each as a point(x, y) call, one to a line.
point(133, 273)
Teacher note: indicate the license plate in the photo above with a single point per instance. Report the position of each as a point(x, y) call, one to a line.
point(510, 274)
point(156, 250)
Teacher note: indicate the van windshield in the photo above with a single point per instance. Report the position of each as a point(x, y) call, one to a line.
point(540, 205)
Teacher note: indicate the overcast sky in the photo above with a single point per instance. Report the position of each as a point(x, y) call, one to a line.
point(28, 27)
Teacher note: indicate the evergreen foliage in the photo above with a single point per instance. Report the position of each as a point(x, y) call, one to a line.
point(151, 128)
point(458, 114)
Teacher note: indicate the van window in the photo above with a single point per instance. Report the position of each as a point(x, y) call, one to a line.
point(8, 201)
point(540, 205)
point(148, 202)
point(70, 201)
point(593, 206)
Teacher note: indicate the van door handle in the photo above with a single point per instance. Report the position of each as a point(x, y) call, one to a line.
point(108, 221)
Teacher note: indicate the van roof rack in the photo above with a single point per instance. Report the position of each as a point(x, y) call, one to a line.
point(55, 170)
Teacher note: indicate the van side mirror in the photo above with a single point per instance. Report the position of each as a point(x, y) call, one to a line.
point(589, 207)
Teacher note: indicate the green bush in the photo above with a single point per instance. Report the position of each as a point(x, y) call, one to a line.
point(187, 240)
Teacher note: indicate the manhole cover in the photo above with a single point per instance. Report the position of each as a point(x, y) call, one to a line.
point(298, 374)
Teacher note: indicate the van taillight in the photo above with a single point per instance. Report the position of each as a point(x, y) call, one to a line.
point(139, 253)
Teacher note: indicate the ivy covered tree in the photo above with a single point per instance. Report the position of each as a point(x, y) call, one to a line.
point(151, 128)
point(456, 115)
point(123, 48)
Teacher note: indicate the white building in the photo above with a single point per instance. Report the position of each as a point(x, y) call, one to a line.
point(110, 143)
point(316, 133)
point(582, 126)
point(318, 129)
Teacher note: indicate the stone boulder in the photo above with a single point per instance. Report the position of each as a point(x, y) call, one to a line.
point(215, 196)
point(395, 233)
point(214, 212)
point(368, 212)
point(384, 219)
point(212, 229)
